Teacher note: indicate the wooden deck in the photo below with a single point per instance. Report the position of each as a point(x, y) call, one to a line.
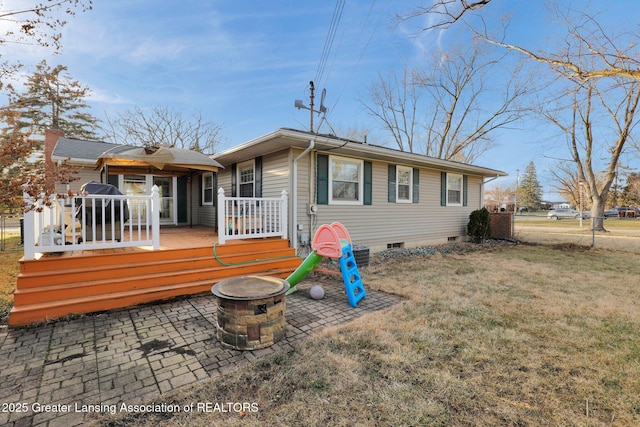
point(189, 262)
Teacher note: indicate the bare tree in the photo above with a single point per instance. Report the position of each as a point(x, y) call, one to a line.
point(41, 23)
point(583, 120)
point(566, 181)
point(631, 191)
point(444, 12)
point(164, 126)
point(463, 110)
point(394, 102)
point(499, 197)
point(588, 55)
point(448, 110)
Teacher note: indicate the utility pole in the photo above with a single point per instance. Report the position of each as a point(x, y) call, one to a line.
point(311, 105)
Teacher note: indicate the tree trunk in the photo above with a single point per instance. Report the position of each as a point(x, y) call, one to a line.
point(597, 212)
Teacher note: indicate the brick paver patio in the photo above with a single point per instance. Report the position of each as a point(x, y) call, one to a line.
point(133, 355)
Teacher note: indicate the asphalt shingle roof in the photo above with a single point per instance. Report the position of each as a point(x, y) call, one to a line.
point(79, 149)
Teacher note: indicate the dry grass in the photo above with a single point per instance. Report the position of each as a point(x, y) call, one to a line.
point(521, 335)
point(9, 270)
point(609, 223)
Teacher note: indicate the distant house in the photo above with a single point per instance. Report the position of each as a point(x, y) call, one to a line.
point(385, 197)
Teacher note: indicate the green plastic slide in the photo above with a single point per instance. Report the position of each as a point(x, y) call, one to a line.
point(310, 262)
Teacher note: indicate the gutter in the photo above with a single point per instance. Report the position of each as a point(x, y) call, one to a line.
point(294, 195)
point(489, 180)
point(482, 189)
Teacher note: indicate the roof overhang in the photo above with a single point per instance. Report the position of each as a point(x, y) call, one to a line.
point(162, 160)
point(289, 138)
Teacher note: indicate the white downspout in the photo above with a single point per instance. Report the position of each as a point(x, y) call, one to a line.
point(294, 194)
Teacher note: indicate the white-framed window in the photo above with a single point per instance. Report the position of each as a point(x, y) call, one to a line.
point(207, 189)
point(345, 180)
point(404, 184)
point(454, 190)
point(142, 185)
point(246, 179)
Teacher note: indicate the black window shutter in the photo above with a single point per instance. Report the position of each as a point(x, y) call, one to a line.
point(465, 181)
point(322, 183)
point(368, 183)
point(215, 189)
point(443, 189)
point(200, 188)
point(113, 180)
point(257, 173)
point(234, 180)
point(392, 184)
point(416, 185)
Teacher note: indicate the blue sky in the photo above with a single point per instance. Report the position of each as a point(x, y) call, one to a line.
point(243, 63)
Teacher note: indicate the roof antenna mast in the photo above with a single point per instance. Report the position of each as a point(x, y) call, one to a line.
point(311, 96)
point(322, 110)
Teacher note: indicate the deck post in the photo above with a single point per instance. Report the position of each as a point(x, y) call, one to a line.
point(284, 214)
point(222, 217)
point(28, 227)
point(155, 217)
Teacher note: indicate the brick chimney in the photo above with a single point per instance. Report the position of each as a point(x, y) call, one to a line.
point(50, 140)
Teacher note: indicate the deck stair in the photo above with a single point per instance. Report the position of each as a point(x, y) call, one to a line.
point(57, 286)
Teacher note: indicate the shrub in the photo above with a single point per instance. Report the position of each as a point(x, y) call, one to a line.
point(479, 227)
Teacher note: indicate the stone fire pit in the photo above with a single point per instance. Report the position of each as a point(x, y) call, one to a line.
point(250, 311)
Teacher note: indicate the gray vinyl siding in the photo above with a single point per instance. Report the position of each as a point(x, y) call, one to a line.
point(376, 225)
point(409, 224)
point(275, 174)
point(84, 175)
point(203, 214)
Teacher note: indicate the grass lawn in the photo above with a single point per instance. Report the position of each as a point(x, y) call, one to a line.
point(516, 335)
point(9, 270)
point(613, 224)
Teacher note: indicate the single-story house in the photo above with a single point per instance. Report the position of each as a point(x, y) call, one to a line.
point(262, 200)
point(185, 195)
point(386, 198)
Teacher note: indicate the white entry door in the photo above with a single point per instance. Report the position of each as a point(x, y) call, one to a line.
point(141, 185)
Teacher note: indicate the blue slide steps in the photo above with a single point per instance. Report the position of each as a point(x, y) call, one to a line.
point(351, 276)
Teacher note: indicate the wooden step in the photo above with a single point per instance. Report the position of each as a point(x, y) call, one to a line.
point(83, 270)
point(58, 286)
point(224, 252)
point(27, 314)
point(141, 281)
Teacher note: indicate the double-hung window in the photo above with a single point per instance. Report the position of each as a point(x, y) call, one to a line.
point(207, 188)
point(404, 183)
point(246, 179)
point(454, 190)
point(345, 180)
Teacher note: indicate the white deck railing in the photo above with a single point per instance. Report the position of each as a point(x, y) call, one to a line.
point(91, 221)
point(251, 217)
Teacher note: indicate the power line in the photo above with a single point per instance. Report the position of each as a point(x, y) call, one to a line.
point(355, 66)
point(328, 43)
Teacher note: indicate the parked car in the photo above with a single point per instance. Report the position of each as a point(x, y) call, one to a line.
point(622, 212)
point(561, 213)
